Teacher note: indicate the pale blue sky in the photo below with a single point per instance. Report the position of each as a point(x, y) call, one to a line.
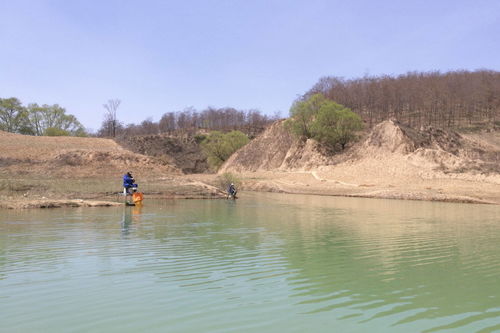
point(160, 56)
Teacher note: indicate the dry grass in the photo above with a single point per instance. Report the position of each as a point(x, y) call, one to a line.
point(42, 147)
point(33, 168)
point(56, 188)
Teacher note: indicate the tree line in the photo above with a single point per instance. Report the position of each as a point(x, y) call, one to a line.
point(450, 100)
point(34, 119)
point(188, 120)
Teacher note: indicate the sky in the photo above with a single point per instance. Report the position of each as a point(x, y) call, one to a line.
point(163, 56)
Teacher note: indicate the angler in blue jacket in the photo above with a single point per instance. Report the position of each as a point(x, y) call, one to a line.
point(128, 183)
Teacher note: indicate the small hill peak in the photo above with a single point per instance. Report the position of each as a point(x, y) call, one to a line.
point(389, 136)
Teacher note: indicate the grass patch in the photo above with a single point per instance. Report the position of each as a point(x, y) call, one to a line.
point(56, 188)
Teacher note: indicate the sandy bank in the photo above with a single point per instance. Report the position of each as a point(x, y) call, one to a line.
point(50, 203)
point(323, 183)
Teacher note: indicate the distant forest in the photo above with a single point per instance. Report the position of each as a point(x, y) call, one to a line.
point(457, 99)
point(191, 120)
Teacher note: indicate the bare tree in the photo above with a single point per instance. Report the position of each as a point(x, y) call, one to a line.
point(167, 123)
point(110, 121)
point(188, 121)
point(452, 99)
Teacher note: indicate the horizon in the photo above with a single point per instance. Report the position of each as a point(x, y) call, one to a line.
point(161, 57)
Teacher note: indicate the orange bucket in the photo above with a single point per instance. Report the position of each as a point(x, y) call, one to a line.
point(137, 197)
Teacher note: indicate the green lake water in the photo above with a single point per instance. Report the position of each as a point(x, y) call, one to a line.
point(265, 263)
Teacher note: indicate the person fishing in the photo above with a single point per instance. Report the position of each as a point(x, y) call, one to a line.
point(231, 191)
point(129, 185)
point(130, 190)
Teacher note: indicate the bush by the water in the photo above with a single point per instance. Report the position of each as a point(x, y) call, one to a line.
point(324, 120)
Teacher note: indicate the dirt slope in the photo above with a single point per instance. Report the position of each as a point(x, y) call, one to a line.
point(391, 161)
point(276, 149)
point(182, 151)
point(73, 157)
point(36, 168)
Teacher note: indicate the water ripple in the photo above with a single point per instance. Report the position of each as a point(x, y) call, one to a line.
point(214, 267)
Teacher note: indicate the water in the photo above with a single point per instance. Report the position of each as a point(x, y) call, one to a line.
point(266, 263)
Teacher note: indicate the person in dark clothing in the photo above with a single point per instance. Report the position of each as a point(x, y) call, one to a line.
point(231, 191)
point(129, 183)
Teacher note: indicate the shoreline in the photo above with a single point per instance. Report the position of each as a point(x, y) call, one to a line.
point(200, 186)
point(56, 203)
point(396, 188)
point(393, 196)
point(15, 204)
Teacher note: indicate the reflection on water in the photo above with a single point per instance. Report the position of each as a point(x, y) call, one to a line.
point(130, 214)
point(266, 263)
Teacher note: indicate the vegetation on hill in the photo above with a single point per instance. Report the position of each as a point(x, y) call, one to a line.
point(182, 151)
point(34, 119)
point(219, 146)
point(195, 141)
point(451, 100)
point(327, 122)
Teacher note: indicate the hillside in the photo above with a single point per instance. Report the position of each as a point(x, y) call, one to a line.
point(72, 156)
point(452, 100)
point(390, 161)
point(72, 167)
point(276, 149)
point(183, 152)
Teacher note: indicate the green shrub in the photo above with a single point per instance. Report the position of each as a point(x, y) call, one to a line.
point(335, 125)
point(325, 121)
point(53, 131)
point(220, 146)
point(303, 114)
point(199, 138)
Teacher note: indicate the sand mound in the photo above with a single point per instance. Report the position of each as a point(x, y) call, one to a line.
point(305, 155)
point(276, 149)
point(430, 148)
point(388, 137)
point(389, 152)
point(392, 137)
point(266, 152)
